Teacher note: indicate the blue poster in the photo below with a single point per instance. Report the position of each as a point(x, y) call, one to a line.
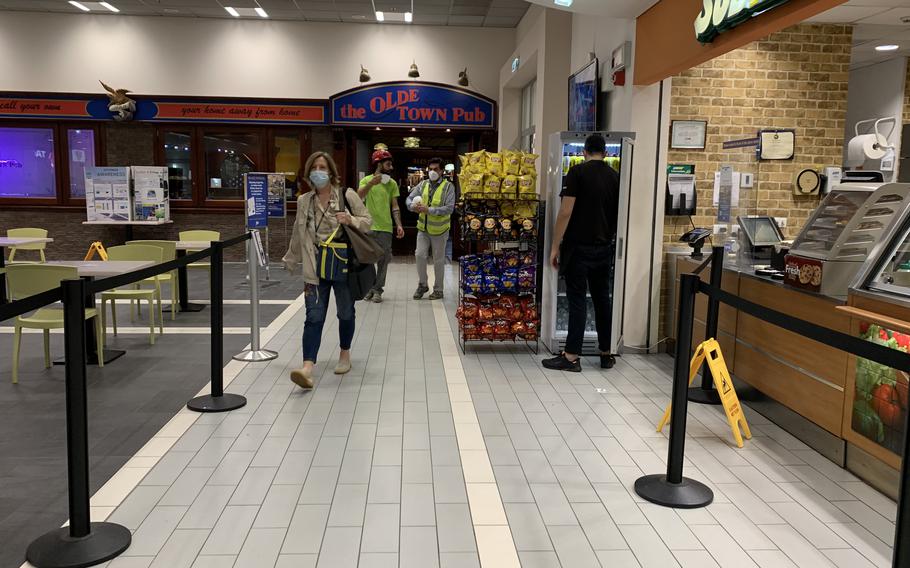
point(256, 188)
point(413, 104)
point(277, 199)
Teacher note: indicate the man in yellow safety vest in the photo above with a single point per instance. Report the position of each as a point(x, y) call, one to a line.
point(434, 200)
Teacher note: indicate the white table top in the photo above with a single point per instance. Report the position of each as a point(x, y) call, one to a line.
point(14, 241)
point(161, 222)
point(104, 268)
point(193, 245)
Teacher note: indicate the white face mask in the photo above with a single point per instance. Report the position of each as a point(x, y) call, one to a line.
point(433, 175)
point(319, 178)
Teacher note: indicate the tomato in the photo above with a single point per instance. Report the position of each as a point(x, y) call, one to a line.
point(903, 340)
point(863, 327)
point(883, 335)
point(885, 401)
point(903, 389)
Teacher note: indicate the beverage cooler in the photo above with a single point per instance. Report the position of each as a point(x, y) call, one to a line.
point(566, 150)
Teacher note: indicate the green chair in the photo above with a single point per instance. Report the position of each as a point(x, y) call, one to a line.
point(27, 233)
point(200, 235)
point(169, 252)
point(134, 252)
point(25, 280)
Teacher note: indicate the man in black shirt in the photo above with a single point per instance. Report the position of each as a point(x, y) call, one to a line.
point(583, 245)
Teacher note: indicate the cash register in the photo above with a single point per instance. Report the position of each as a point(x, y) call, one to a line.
point(759, 235)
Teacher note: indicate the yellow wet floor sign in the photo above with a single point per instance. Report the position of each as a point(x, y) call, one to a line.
point(96, 247)
point(710, 350)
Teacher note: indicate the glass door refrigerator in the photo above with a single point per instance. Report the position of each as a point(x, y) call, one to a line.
point(567, 151)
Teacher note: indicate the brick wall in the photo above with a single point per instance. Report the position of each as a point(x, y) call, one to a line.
point(130, 144)
point(796, 78)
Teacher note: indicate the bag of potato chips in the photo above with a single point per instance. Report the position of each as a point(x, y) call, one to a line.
point(494, 164)
point(491, 185)
point(474, 185)
point(527, 188)
point(477, 162)
point(511, 163)
point(509, 187)
point(528, 164)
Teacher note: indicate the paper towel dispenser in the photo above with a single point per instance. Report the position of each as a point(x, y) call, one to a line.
point(870, 146)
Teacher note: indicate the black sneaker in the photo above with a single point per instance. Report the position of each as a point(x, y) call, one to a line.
point(421, 290)
point(607, 361)
point(560, 363)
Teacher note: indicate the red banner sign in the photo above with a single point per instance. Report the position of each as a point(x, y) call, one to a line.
point(49, 108)
point(802, 272)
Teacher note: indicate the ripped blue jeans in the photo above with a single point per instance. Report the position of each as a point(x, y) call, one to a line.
point(317, 307)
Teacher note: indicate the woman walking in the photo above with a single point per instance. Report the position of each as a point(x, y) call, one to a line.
point(319, 244)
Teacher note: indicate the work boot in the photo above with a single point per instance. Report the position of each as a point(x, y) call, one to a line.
point(421, 290)
point(369, 296)
point(436, 295)
point(377, 298)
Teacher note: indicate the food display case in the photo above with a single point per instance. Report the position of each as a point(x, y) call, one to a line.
point(566, 151)
point(841, 235)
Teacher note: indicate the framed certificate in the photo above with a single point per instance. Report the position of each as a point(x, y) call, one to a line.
point(776, 144)
point(688, 134)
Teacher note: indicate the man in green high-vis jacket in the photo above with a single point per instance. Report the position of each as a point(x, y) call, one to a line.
point(434, 201)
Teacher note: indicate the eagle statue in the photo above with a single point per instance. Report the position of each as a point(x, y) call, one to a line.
point(120, 105)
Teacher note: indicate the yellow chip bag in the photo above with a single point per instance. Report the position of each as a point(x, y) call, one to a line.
point(477, 162)
point(528, 164)
point(511, 163)
point(510, 186)
point(527, 188)
point(464, 163)
point(491, 185)
point(474, 185)
point(494, 164)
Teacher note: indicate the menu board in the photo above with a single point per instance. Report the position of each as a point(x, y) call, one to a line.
point(151, 198)
point(107, 194)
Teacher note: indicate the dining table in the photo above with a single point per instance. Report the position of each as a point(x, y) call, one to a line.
point(14, 242)
point(89, 270)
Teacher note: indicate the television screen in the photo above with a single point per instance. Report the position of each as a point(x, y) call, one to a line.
point(583, 98)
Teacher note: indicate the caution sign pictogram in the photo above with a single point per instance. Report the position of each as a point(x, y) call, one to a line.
point(710, 351)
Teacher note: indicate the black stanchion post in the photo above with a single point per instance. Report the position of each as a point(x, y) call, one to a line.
point(706, 393)
point(672, 489)
point(83, 543)
point(217, 401)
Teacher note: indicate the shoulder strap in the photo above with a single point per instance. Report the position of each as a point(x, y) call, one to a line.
point(344, 199)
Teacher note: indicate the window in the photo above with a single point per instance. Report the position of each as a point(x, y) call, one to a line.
point(229, 155)
point(81, 146)
point(527, 116)
point(178, 157)
point(27, 163)
point(287, 161)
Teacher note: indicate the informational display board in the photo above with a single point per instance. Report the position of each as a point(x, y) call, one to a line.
point(107, 194)
point(151, 195)
point(277, 201)
point(725, 194)
point(256, 196)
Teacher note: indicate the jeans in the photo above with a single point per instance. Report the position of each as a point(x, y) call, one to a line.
point(382, 267)
point(436, 245)
point(590, 267)
point(317, 307)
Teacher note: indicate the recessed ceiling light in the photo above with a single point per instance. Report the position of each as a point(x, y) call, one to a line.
point(232, 11)
point(408, 17)
point(380, 17)
point(891, 47)
point(109, 7)
point(565, 3)
point(262, 13)
point(80, 6)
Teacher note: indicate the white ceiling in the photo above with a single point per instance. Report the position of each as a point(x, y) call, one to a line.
point(876, 22)
point(486, 13)
point(613, 8)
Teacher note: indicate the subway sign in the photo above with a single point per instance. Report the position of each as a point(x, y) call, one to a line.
point(719, 16)
point(413, 104)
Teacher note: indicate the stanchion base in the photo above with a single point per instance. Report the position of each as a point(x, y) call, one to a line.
point(689, 494)
point(91, 358)
point(223, 403)
point(703, 396)
point(57, 549)
point(190, 307)
point(256, 356)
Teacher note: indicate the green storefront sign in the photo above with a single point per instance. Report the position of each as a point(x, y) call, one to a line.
point(718, 16)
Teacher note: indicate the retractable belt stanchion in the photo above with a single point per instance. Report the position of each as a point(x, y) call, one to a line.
point(255, 353)
point(706, 393)
point(672, 489)
point(82, 543)
point(218, 400)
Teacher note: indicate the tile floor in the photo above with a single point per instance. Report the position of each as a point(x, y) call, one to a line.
point(423, 457)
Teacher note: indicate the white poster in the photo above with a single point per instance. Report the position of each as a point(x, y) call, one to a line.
point(151, 198)
point(107, 195)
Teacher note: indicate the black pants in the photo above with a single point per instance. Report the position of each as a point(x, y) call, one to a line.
point(590, 267)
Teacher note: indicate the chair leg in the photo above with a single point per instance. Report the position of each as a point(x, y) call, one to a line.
point(12, 255)
point(160, 311)
point(100, 338)
point(17, 340)
point(47, 349)
point(173, 299)
point(43, 260)
point(114, 314)
point(151, 323)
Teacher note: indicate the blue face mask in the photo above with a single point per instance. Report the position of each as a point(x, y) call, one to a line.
point(319, 178)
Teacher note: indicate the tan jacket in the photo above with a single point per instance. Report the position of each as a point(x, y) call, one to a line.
point(302, 249)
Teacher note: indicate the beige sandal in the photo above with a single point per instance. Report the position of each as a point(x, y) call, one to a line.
point(343, 367)
point(301, 378)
